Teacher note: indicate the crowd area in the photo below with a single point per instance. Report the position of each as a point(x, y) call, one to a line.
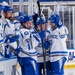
point(39, 44)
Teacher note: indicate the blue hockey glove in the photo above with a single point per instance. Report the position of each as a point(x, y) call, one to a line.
point(42, 34)
point(18, 50)
point(46, 44)
point(8, 55)
point(15, 38)
point(11, 39)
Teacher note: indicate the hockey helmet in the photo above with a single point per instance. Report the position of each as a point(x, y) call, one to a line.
point(7, 9)
point(56, 20)
point(17, 15)
point(27, 18)
point(38, 21)
point(21, 19)
point(1, 7)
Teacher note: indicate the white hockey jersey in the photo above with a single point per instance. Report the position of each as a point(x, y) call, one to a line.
point(9, 30)
point(1, 31)
point(39, 49)
point(28, 43)
point(17, 26)
point(58, 48)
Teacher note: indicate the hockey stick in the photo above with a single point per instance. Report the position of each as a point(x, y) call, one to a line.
point(44, 52)
point(25, 53)
point(15, 51)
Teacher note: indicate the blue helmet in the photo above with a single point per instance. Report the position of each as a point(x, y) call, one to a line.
point(27, 18)
point(20, 13)
point(17, 15)
point(21, 19)
point(56, 20)
point(1, 7)
point(7, 9)
point(38, 21)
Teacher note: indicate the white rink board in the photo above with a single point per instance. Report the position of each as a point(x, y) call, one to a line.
point(70, 64)
point(6, 65)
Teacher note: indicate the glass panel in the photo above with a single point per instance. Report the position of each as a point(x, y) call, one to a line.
point(25, 9)
point(65, 13)
point(16, 8)
point(66, 17)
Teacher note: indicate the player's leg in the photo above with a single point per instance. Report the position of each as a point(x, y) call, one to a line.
point(48, 67)
point(58, 66)
point(62, 63)
point(31, 66)
point(21, 60)
point(28, 66)
point(40, 68)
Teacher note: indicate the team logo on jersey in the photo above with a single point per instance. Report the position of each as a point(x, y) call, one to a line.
point(26, 33)
point(54, 36)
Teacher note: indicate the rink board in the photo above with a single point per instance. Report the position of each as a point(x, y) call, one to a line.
point(71, 59)
point(8, 66)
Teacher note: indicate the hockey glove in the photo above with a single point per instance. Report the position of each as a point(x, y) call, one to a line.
point(18, 51)
point(46, 44)
point(42, 34)
point(11, 39)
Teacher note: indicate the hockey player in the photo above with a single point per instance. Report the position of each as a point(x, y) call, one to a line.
point(1, 26)
point(9, 32)
point(16, 21)
point(28, 62)
point(58, 50)
point(43, 35)
point(1, 32)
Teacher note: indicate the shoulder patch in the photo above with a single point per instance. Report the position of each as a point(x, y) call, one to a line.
point(26, 33)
